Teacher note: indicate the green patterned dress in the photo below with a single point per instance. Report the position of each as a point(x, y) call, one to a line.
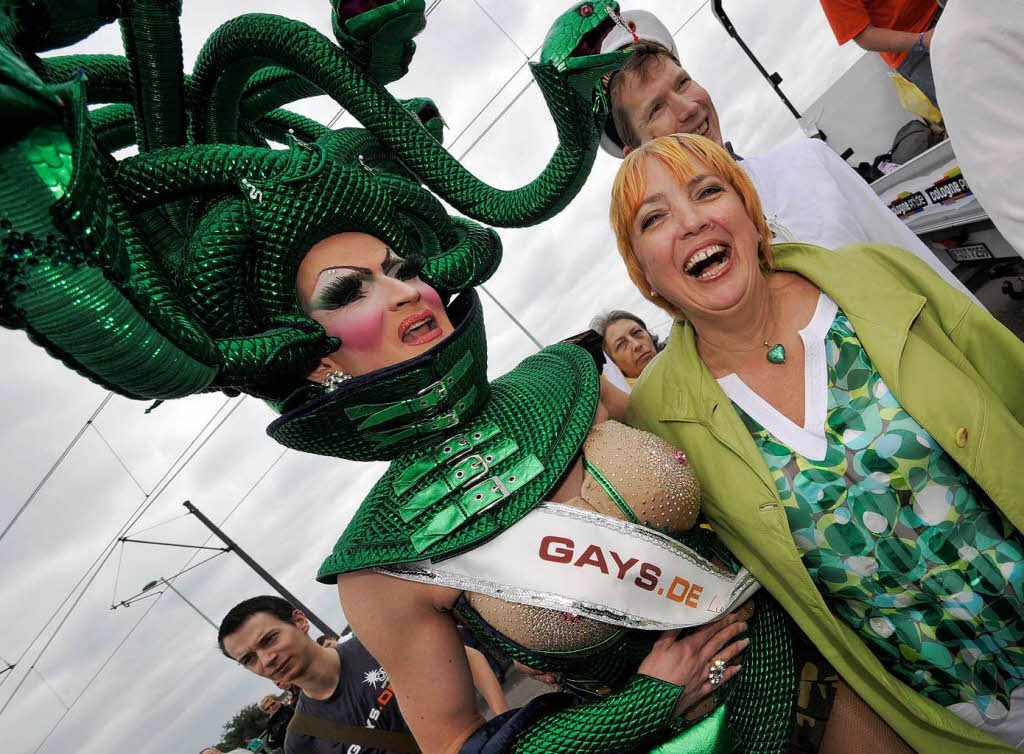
point(904, 547)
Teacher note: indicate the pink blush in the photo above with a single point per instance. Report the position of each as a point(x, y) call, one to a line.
point(429, 296)
point(360, 331)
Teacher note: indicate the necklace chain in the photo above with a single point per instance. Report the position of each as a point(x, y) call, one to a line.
point(764, 344)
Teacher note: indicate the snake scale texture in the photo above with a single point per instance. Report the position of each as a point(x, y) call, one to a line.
point(171, 271)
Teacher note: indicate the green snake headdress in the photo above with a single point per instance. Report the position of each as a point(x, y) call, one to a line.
point(173, 271)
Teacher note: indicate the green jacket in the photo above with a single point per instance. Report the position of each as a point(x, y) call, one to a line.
point(956, 370)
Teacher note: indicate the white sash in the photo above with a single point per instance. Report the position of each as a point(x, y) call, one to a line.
point(575, 561)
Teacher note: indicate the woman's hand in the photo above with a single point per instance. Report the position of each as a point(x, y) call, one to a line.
point(687, 661)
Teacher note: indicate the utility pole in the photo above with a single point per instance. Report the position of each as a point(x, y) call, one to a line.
point(188, 602)
point(313, 618)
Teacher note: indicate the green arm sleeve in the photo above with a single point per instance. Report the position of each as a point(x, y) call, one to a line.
point(619, 723)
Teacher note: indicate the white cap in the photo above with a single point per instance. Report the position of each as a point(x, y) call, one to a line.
point(647, 28)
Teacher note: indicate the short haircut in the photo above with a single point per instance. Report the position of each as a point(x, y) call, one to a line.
point(677, 153)
point(268, 603)
point(646, 57)
point(600, 324)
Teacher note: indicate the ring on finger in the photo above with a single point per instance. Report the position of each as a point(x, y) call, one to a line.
point(716, 673)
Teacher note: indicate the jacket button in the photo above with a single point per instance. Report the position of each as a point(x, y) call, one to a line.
point(961, 437)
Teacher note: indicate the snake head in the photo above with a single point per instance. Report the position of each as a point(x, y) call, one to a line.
point(426, 111)
point(379, 34)
point(573, 47)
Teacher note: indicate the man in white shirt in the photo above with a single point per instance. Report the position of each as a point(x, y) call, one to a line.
point(808, 193)
point(978, 62)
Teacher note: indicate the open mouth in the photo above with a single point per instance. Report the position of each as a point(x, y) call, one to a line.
point(590, 43)
point(351, 8)
point(702, 129)
point(427, 112)
point(707, 262)
point(419, 328)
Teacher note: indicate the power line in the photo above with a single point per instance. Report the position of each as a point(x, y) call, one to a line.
point(691, 16)
point(501, 28)
point(51, 688)
point(120, 460)
point(97, 673)
point(117, 574)
point(142, 596)
point(494, 122)
point(56, 464)
point(107, 551)
point(162, 523)
point(146, 592)
point(490, 101)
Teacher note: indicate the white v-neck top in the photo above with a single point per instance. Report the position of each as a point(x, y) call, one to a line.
point(808, 440)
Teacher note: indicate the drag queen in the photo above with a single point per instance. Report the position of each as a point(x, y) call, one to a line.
point(325, 280)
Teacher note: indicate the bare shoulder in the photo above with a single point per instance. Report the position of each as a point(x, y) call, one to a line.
point(373, 593)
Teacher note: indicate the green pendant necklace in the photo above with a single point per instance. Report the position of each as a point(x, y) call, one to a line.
point(776, 353)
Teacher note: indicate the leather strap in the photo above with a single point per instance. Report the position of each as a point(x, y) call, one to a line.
point(452, 418)
point(475, 501)
point(462, 472)
point(447, 450)
point(318, 727)
point(426, 399)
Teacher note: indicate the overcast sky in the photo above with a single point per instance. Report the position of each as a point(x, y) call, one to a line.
point(167, 688)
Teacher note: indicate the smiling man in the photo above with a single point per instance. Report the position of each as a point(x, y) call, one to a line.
point(346, 704)
point(808, 192)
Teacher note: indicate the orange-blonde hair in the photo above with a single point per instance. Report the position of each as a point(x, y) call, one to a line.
point(677, 152)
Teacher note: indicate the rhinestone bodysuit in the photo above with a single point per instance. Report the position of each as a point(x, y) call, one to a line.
point(657, 488)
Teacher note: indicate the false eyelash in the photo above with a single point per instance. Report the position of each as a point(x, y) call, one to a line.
point(411, 267)
point(341, 291)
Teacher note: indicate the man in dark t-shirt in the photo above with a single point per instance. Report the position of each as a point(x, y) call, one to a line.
point(363, 696)
point(342, 685)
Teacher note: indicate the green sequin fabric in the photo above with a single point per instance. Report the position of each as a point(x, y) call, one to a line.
point(175, 267)
point(623, 722)
point(905, 548)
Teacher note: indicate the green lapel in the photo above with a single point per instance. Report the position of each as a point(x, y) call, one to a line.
point(881, 310)
point(703, 401)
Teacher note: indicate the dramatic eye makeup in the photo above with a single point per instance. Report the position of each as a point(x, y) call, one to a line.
point(343, 285)
point(343, 289)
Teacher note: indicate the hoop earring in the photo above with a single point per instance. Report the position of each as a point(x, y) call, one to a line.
point(334, 379)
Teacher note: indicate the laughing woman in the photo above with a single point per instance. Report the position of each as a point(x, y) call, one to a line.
point(857, 426)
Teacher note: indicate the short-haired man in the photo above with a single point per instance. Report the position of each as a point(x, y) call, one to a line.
point(346, 704)
point(807, 192)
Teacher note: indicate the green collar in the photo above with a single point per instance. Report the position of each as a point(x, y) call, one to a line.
point(450, 491)
point(385, 414)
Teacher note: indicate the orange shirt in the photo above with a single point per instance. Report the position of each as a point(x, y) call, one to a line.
point(850, 17)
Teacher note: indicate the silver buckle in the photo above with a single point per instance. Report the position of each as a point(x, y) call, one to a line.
point(444, 421)
point(442, 391)
point(482, 465)
point(499, 486)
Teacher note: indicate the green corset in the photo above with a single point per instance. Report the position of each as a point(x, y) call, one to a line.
point(903, 545)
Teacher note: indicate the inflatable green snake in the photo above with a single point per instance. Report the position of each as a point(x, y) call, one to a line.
point(172, 271)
